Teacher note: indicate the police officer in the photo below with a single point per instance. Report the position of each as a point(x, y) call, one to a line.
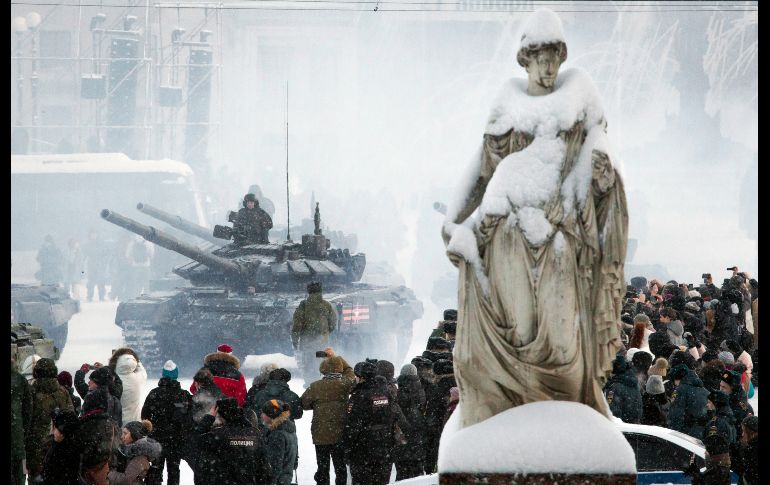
point(367, 435)
point(252, 224)
point(314, 319)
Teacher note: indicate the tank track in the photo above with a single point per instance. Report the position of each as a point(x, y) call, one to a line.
point(141, 336)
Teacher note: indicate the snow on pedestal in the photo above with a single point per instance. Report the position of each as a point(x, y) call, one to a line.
point(547, 442)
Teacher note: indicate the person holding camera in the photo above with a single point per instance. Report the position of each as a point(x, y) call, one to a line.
point(314, 320)
point(327, 398)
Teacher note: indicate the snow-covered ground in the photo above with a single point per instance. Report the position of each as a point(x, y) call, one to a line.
point(93, 334)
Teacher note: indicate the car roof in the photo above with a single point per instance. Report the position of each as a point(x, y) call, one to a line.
point(693, 445)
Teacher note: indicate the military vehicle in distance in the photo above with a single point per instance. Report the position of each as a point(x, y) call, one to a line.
point(47, 307)
point(28, 340)
point(246, 296)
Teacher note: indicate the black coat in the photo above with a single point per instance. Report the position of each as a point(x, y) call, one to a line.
point(62, 463)
point(722, 423)
point(654, 409)
point(166, 407)
point(98, 438)
point(713, 475)
point(688, 408)
point(367, 433)
point(624, 397)
point(741, 409)
point(274, 389)
point(115, 387)
point(411, 399)
point(232, 454)
point(436, 407)
point(744, 460)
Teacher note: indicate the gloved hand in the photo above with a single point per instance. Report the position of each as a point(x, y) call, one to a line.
point(85, 368)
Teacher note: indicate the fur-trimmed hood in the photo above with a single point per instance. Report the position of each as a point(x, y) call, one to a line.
point(119, 352)
point(223, 357)
point(143, 447)
point(282, 419)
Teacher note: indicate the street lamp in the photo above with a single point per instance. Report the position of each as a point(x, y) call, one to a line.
point(19, 26)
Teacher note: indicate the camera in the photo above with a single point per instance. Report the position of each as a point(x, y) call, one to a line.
point(321, 354)
point(732, 269)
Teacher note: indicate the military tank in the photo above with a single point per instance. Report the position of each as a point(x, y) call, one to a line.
point(28, 340)
point(246, 296)
point(48, 307)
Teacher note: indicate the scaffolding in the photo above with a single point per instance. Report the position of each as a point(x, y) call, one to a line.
point(137, 56)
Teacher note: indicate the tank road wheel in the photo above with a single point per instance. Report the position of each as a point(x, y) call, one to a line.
point(59, 336)
point(141, 336)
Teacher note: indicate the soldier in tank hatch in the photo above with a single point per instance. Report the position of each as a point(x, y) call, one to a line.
point(252, 224)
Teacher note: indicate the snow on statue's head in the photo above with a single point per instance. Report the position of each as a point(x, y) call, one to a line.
point(543, 48)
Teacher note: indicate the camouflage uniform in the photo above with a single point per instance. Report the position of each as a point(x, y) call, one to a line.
point(314, 320)
point(251, 226)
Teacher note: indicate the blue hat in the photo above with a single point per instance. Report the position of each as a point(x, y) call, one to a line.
point(170, 370)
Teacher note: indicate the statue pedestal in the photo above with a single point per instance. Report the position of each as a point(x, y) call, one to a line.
point(543, 443)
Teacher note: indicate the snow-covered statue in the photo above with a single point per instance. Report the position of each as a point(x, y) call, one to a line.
point(541, 263)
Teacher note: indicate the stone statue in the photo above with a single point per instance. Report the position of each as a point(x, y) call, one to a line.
point(541, 264)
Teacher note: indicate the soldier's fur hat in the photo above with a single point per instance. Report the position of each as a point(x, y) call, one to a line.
point(314, 287)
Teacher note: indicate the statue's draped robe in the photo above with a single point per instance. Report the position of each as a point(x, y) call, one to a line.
point(567, 291)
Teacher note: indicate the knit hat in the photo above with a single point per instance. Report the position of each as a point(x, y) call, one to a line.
point(719, 399)
point(659, 367)
point(422, 363)
point(274, 407)
point(678, 372)
point(726, 357)
point(138, 429)
point(435, 343)
point(443, 367)
point(654, 385)
point(716, 445)
point(450, 314)
point(450, 327)
point(367, 370)
point(44, 368)
point(65, 421)
point(229, 410)
point(170, 370)
point(280, 375)
point(101, 376)
point(225, 348)
point(65, 379)
point(385, 369)
point(751, 423)
point(408, 370)
point(331, 365)
point(733, 379)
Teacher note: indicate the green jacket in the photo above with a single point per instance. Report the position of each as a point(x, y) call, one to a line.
point(314, 320)
point(47, 395)
point(21, 410)
point(328, 399)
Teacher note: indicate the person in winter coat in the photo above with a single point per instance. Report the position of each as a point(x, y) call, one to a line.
point(669, 320)
point(409, 457)
point(386, 369)
point(21, 416)
point(622, 391)
point(224, 368)
point(166, 407)
point(688, 407)
point(233, 453)
point(99, 433)
point(744, 454)
point(281, 440)
point(654, 402)
point(138, 450)
point(640, 335)
point(739, 355)
point(731, 385)
point(65, 380)
point(327, 399)
point(640, 361)
point(367, 434)
point(277, 388)
point(126, 365)
point(711, 374)
point(313, 321)
point(115, 385)
point(661, 346)
point(47, 395)
point(260, 380)
point(720, 417)
point(62, 462)
point(717, 470)
point(436, 408)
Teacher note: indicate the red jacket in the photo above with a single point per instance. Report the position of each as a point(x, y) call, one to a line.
point(227, 377)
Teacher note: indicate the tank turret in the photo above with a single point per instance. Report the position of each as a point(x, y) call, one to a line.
point(179, 222)
point(27, 340)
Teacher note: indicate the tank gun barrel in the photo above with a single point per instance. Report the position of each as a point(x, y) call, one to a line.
point(179, 222)
point(171, 243)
